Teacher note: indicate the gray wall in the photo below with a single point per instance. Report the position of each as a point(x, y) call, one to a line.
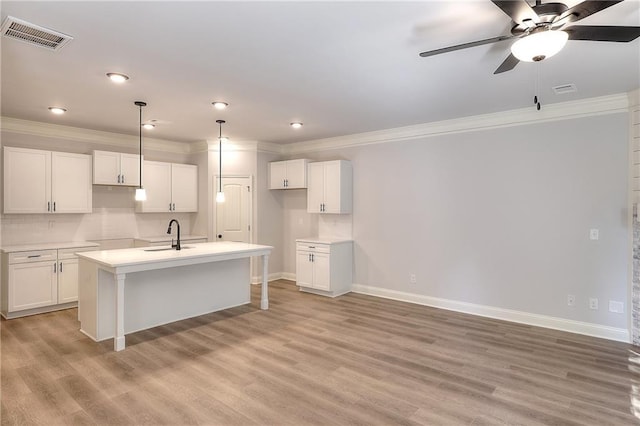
point(497, 217)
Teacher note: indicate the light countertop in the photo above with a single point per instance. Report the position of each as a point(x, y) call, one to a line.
point(167, 237)
point(48, 246)
point(324, 240)
point(190, 253)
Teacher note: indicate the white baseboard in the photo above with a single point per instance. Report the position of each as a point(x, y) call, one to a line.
point(274, 276)
point(589, 329)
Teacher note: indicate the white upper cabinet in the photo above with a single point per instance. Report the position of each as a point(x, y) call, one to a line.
point(170, 188)
point(330, 187)
point(184, 188)
point(37, 181)
point(114, 168)
point(289, 174)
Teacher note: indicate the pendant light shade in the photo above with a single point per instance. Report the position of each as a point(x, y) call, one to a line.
point(220, 194)
point(141, 194)
point(539, 45)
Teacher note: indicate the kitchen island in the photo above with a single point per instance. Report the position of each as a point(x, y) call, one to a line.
point(163, 285)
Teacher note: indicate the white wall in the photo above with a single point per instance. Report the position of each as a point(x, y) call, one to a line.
point(498, 217)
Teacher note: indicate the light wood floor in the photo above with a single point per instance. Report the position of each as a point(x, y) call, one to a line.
point(313, 360)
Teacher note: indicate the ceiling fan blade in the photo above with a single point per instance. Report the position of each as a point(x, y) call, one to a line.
point(519, 11)
point(586, 8)
point(508, 64)
point(464, 46)
point(603, 33)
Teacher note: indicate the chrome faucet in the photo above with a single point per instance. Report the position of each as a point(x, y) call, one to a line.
point(177, 244)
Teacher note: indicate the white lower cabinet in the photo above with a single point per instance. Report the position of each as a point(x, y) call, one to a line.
point(324, 266)
point(37, 281)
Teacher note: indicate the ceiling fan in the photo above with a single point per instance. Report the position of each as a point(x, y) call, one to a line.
point(542, 30)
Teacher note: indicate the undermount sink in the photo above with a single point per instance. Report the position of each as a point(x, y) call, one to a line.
point(165, 248)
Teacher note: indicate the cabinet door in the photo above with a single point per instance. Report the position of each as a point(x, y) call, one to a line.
point(332, 187)
point(130, 169)
point(321, 271)
point(156, 180)
point(296, 174)
point(184, 187)
point(27, 175)
point(277, 174)
point(32, 285)
point(304, 269)
point(71, 189)
point(106, 168)
point(315, 190)
point(67, 280)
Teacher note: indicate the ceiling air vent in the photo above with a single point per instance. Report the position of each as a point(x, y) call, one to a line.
point(34, 34)
point(565, 88)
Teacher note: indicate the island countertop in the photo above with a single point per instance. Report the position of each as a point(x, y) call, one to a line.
point(145, 258)
point(163, 285)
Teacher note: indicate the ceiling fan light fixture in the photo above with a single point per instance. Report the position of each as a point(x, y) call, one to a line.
point(296, 124)
point(539, 45)
point(148, 126)
point(220, 105)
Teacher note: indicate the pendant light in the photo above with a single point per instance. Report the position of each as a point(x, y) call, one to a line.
point(141, 194)
point(220, 194)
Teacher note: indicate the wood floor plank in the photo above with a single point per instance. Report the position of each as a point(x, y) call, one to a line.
point(311, 360)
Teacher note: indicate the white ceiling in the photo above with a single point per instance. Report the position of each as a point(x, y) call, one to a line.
point(340, 67)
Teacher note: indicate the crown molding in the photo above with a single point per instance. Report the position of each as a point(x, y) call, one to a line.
point(253, 146)
point(118, 140)
point(524, 116)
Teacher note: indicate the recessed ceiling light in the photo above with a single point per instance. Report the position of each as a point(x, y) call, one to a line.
point(220, 105)
point(117, 77)
point(296, 124)
point(148, 126)
point(57, 110)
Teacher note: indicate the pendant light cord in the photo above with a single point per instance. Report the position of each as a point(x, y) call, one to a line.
point(140, 156)
point(220, 154)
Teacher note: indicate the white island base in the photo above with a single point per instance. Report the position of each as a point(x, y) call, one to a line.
point(162, 286)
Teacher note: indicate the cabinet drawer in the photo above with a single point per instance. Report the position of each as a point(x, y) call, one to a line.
point(32, 256)
point(70, 253)
point(314, 247)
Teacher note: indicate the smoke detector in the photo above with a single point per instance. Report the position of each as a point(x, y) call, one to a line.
point(34, 34)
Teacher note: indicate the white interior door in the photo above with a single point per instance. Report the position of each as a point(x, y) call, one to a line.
point(233, 217)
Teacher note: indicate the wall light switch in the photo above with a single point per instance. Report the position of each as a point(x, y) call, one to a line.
point(594, 234)
point(571, 300)
point(593, 303)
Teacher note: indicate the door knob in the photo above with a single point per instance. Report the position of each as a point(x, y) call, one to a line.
point(219, 235)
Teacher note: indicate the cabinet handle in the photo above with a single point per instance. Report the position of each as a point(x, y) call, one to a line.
point(286, 183)
point(312, 257)
point(55, 265)
point(60, 267)
point(169, 206)
point(122, 178)
point(174, 207)
point(48, 206)
point(54, 206)
point(33, 256)
point(118, 178)
point(309, 257)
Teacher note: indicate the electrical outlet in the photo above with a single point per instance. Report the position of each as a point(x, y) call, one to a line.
point(594, 234)
point(571, 300)
point(616, 307)
point(593, 303)
point(412, 278)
